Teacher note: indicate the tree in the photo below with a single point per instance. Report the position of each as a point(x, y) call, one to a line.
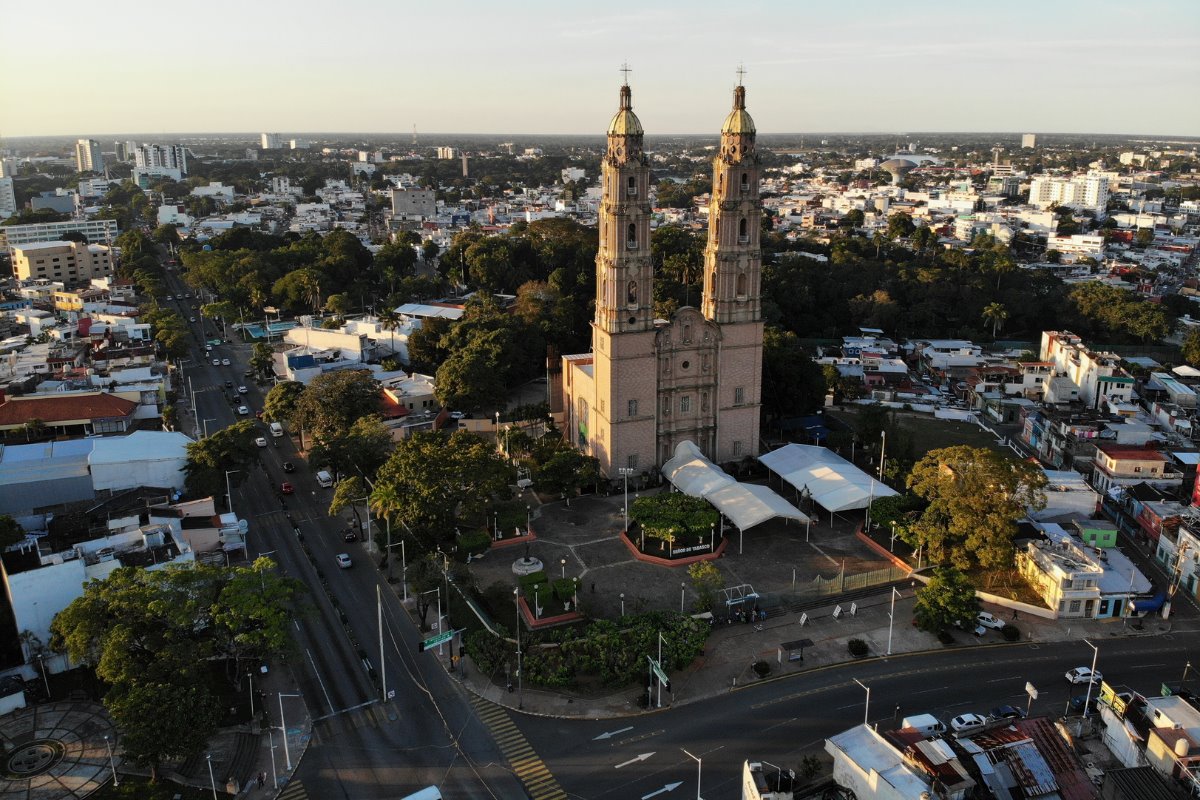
point(425, 575)
point(228, 449)
point(947, 599)
point(473, 377)
point(1144, 237)
point(706, 582)
point(565, 472)
point(900, 225)
point(10, 532)
point(362, 450)
point(280, 402)
point(792, 382)
point(347, 492)
point(996, 314)
point(1191, 346)
point(975, 497)
point(668, 515)
point(262, 359)
point(334, 400)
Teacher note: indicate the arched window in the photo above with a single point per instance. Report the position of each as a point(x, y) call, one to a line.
point(712, 283)
point(632, 294)
point(742, 235)
point(741, 284)
point(604, 291)
point(745, 182)
point(631, 237)
point(631, 186)
point(687, 333)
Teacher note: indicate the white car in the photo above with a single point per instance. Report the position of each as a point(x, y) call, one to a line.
point(967, 722)
point(261, 442)
point(225, 362)
point(343, 560)
point(243, 410)
point(216, 362)
point(242, 390)
point(1084, 675)
point(988, 621)
point(191, 319)
point(170, 298)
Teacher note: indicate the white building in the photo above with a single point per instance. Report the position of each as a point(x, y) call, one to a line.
point(1082, 192)
point(300, 144)
point(1028, 140)
point(272, 141)
point(88, 157)
point(447, 153)
point(1095, 374)
point(217, 191)
point(414, 202)
point(1079, 245)
point(573, 174)
point(161, 160)
point(8, 198)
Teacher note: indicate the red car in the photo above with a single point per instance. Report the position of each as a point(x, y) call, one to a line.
point(286, 488)
point(258, 414)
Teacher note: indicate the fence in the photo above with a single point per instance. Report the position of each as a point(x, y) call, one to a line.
point(840, 583)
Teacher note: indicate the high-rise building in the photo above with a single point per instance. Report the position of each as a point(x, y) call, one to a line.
point(272, 141)
point(88, 157)
point(161, 160)
point(8, 198)
point(69, 262)
point(119, 151)
point(1084, 192)
point(649, 385)
point(1029, 140)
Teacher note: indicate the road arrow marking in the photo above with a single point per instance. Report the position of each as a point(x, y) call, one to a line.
point(634, 760)
point(610, 734)
point(670, 787)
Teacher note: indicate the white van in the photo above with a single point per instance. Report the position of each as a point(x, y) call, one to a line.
point(324, 479)
point(927, 724)
point(276, 430)
point(428, 793)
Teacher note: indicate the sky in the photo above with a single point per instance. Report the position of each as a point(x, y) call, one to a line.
point(535, 66)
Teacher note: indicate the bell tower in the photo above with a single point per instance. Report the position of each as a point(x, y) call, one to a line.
point(732, 281)
point(621, 429)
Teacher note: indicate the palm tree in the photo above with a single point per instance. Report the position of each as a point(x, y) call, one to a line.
point(996, 314)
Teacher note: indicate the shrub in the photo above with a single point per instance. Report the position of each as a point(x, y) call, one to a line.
point(527, 582)
point(1010, 633)
point(488, 652)
point(564, 589)
point(858, 648)
point(945, 638)
point(762, 669)
point(473, 542)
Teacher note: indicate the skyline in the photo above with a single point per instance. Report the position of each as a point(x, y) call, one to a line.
point(542, 69)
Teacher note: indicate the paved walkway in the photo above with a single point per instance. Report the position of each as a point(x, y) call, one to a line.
point(56, 751)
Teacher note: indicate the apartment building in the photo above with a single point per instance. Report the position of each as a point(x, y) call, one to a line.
point(156, 160)
point(1121, 465)
point(70, 262)
point(1083, 192)
point(272, 141)
point(8, 198)
point(88, 157)
point(96, 230)
point(1096, 374)
point(1075, 580)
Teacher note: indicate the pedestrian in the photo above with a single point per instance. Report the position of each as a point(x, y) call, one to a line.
point(1014, 616)
point(593, 587)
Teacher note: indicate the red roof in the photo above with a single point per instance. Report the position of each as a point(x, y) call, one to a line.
point(61, 408)
point(1127, 453)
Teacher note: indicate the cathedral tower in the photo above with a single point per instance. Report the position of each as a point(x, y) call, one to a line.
point(732, 281)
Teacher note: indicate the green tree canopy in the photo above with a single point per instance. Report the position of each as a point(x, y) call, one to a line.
point(331, 403)
point(229, 448)
point(280, 403)
point(976, 496)
point(947, 599)
point(667, 515)
point(792, 383)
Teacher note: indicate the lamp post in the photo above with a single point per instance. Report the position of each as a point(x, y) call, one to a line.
point(564, 569)
point(882, 452)
point(682, 592)
point(211, 778)
point(111, 763)
point(283, 731)
point(1087, 698)
point(274, 774)
point(892, 543)
point(517, 605)
point(250, 679)
point(867, 706)
point(622, 604)
point(699, 766)
point(891, 618)
point(712, 537)
point(1183, 681)
point(528, 519)
point(228, 491)
point(204, 423)
point(625, 472)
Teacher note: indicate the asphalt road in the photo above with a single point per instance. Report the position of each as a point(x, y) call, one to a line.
point(361, 747)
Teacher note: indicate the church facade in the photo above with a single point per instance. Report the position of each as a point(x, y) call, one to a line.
point(650, 384)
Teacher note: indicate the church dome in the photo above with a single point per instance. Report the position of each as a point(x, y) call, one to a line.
point(738, 121)
point(625, 122)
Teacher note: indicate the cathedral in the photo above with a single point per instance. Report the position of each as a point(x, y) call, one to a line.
point(650, 384)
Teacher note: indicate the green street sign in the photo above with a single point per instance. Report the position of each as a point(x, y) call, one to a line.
point(658, 672)
point(434, 641)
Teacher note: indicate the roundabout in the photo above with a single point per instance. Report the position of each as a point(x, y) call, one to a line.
point(56, 751)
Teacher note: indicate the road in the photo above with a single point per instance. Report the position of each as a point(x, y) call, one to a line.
point(779, 721)
point(361, 747)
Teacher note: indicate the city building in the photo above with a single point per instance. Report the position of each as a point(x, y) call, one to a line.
point(120, 152)
point(272, 141)
point(1028, 140)
point(1075, 579)
point(650, 385)
point(1093, 375)
point(156, 160)
point(8, 198)
point(299, 144)
point(447, 153)
point(1083, 192)
point(88, 157)
point(69, 262)
point(1120, 465)
point(414, 202)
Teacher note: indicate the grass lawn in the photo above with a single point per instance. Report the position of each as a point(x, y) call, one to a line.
point(928, 433)
point(135, 788)
point(1005, 583)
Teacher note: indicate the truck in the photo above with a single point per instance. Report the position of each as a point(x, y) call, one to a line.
point(324, 479)
point(276, 430)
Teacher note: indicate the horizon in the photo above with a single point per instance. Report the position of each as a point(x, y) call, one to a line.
point(875, 67)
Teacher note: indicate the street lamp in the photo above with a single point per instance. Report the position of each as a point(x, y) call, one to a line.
point(528, 520)
point(622, 604)
point(625, 472)
point(112, 764)
point(891, 618)
point(205, 422)
point(283, 731)
point(228, 491)
point(211, 778)
point(1087, 698)
point(682, 591)
point(892, 543)
point(250, 678)
point(517, 605)
point(699, 766)
point(564, 569)
point(867, 707)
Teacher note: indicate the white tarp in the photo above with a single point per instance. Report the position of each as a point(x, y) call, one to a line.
point(745, 504)
point(831, 481)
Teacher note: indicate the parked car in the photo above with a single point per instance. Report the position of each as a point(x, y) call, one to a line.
point(988, 621)
point(228, 384)
point(242, 390)
point(261, 442)
point(1005, 712)
point(289, 467)
point(343, 560)
point(967, 722)
point(1084, 675)
point(191, 319)
point(216, 362)
point(1077, 701)
point(286, 488)
point(225, 362)
point(348, 535)
point(243, 410)
point(258, 414)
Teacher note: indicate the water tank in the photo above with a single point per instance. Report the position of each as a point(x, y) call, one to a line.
point(1181, 747)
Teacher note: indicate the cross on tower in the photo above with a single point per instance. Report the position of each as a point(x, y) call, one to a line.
point(741, 71)
point(626, 69)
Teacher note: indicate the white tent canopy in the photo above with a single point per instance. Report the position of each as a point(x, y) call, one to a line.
point(746, 505)
point(831, 481)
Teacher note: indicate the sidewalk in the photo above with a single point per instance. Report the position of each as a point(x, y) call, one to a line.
point(270, 759)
